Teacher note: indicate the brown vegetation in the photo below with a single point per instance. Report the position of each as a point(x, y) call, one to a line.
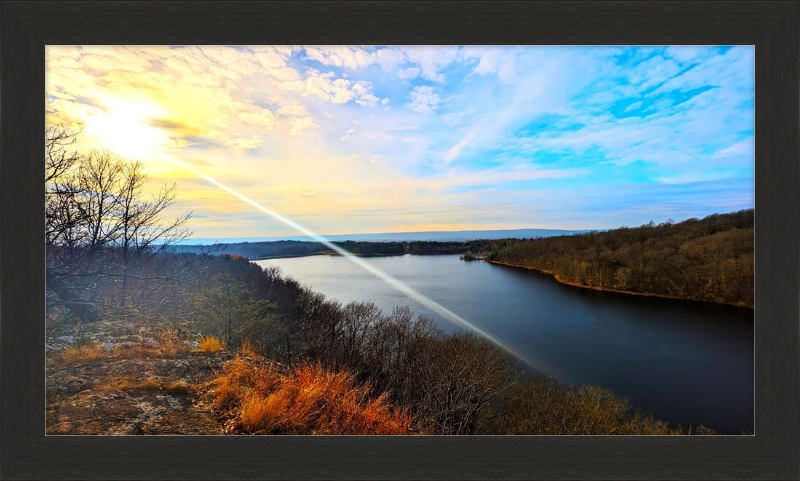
point(150, 384)
point(544, 407)
point(160, 343)
point(210, 344)
point(84, 353)
point(264, 398)
point(710, 259)
point(446, 385)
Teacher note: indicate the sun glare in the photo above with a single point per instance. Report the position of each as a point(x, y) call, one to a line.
point(127, 128)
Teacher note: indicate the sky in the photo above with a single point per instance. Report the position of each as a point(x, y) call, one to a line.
point(355, 139)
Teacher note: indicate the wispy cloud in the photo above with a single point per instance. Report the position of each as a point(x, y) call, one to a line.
point(574, 137)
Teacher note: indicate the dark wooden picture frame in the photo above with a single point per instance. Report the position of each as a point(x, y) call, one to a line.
point(774, 29)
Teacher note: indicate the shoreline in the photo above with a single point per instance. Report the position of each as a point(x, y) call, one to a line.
point(602, 289)
point(507, 264)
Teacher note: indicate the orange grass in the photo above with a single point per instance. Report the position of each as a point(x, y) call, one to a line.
point(151, 384)
point(170, 343)
point(167, 344)
point(306, 399)
point(210, 344)
point(250, 349)
point(85, 353)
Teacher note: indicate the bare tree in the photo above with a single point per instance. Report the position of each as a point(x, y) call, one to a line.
point(60, 209)
point(58, 157)
point(102, 230)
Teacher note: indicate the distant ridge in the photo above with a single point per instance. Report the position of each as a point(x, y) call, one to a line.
point(441, 236)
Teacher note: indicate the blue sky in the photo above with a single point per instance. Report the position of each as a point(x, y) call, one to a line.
point(391, 139)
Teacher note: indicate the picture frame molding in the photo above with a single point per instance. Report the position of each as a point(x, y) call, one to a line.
point(772, 27)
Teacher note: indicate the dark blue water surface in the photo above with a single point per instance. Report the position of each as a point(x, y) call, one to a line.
point(685, 362)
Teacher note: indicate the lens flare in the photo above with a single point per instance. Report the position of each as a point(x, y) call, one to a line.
point(395, 283)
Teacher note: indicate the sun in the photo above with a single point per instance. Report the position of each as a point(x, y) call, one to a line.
point(129, 129)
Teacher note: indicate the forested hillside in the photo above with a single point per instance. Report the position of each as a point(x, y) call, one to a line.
point(709, 259)
point(283, 341)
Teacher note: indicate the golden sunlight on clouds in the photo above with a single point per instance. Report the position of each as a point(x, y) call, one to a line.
point(319, 143)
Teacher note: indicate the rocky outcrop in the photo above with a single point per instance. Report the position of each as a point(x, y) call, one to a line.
point(133, 396)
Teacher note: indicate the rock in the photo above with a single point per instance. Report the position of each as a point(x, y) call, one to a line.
point(133, 396)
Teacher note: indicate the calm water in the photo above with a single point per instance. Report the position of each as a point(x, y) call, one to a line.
point(686, 362)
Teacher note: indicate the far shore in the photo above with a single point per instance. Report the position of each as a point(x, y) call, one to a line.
point(633, 293)
point(334, 253)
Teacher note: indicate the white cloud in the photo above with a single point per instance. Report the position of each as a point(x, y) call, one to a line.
point(653, 72)
point(338, 91)
point(744, 147)
point(340, 56)
point(423, 100)
point(363, 96)
point(355, 58)
point(687, 54)
point(204, 91)
point(301, 124)
point(497, 61)
point(633, 106)
point(388, 58)
point(270, 59)
point(453, 153)
point(240, 143)
point(409, 73)
point(257, 116)
point(735, 69)
point(432, 60)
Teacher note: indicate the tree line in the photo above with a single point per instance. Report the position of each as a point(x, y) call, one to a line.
point(292, 248)
point(709, 259)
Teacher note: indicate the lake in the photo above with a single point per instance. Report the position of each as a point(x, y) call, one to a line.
point(686, 362)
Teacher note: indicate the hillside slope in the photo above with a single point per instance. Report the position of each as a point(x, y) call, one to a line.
point(708, 259)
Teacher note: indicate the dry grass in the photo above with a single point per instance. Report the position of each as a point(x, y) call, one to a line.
point(151, 384)
point(170, 343)
point(163, 343)
point(308, 399)
point(241, 375)
point(251, 349)
point(210, 344)
point(84, 353)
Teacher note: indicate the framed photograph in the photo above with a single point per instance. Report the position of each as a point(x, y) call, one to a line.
point(262, 218)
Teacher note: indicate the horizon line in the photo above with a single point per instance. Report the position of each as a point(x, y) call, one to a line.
point(287, 237)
